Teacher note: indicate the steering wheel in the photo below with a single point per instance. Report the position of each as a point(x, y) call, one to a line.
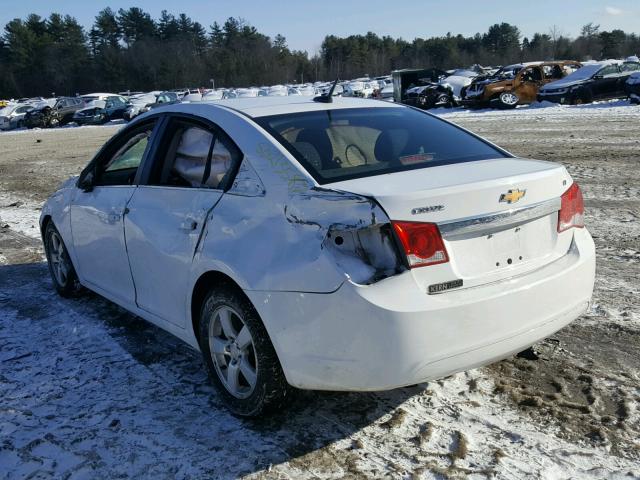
point(358, 150)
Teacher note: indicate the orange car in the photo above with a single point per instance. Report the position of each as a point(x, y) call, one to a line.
point(515, 84)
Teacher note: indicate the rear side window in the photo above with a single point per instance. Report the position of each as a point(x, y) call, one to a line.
point(340, 144)
point(196, 157)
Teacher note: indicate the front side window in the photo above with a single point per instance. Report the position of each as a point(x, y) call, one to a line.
point(608, 71)
point(120, 162)
point(130, 154)
point(341, 144)
point(531, 74)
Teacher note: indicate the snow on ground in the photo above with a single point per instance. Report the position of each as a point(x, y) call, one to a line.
point(89, 391)
point(19, 214)
point(547, 110)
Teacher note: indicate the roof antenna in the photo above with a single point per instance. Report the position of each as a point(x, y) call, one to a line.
point(326, 97)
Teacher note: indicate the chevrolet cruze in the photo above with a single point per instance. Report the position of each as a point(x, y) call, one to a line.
point(348, 245)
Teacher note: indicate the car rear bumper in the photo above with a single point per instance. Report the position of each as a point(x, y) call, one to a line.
point(391, 334)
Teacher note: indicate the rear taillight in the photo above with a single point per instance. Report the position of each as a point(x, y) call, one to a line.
point(422, 243)
point(571, 209)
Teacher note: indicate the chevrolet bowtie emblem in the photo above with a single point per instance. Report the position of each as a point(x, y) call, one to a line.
point(512, 196)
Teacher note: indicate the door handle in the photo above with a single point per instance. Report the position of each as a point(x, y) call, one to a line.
point(188, 225)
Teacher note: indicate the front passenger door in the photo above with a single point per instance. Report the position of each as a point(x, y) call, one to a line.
point(97, 215)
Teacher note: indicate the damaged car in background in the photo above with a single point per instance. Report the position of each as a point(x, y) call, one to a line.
point(445, 92)
point(327, 244)
point(12, 116)
point(57, 111)
point(143, 103)
point(515, 85)
point(100, 111)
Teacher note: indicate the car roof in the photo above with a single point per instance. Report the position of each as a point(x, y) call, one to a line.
point(265, 106)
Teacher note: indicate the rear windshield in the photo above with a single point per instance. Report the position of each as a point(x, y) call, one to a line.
point(341, 144)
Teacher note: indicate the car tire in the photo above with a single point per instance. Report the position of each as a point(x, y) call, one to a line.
point(581, 97)
point(508, 100)
point(63, 273)
point(232, 336)
point(443, 101)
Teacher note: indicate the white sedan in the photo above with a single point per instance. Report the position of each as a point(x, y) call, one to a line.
point(346, 245)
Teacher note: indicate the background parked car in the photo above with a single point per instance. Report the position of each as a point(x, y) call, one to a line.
point(57, 111)
point(428, 96)
point(137, 104)
point(595, 81)
point(12, 116)
point(515, 84)
point(408, 78)
point(632, 87)
point(102, 111)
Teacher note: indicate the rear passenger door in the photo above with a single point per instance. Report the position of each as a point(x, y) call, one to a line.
point(192, 165)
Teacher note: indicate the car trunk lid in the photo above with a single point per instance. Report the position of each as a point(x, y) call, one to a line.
point(498, 218)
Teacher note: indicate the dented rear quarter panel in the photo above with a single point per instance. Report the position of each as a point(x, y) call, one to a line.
point(267, 231)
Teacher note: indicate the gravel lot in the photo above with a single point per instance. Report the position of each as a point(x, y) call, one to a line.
point(89, 391)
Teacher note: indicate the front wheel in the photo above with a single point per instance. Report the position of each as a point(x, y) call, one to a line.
point(508, 100)
point(581, 97)
point(63, 275)
point(238, 354)
point(444, 101)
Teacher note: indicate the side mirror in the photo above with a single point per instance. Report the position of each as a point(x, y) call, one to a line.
point(598, 77)
point(86, 183)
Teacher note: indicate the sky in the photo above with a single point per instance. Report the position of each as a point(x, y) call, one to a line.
point(305, 24)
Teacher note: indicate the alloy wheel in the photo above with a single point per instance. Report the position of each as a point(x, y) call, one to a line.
point(508, 98)
point(233, 352)
point(59, 259)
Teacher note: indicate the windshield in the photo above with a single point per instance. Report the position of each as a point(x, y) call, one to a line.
point(584, 73)
point(340, 144)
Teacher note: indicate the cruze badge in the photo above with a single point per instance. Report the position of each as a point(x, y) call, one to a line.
point(512, 196)
point(432, 208)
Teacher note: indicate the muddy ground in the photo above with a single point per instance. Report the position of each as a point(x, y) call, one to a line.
point(144, 406)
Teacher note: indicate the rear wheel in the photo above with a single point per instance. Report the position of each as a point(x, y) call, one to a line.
point(63, 275)
point(238, 354)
